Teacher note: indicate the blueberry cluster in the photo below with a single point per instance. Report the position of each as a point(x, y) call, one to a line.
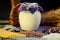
point(32, 7)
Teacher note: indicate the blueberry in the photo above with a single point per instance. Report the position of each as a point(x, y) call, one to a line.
point(32, 10)
point(23, 8)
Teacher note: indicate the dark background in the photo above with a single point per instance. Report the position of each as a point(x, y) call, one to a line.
point(5, 6)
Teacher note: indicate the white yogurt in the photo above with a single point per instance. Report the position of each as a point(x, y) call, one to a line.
point(29, 21)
